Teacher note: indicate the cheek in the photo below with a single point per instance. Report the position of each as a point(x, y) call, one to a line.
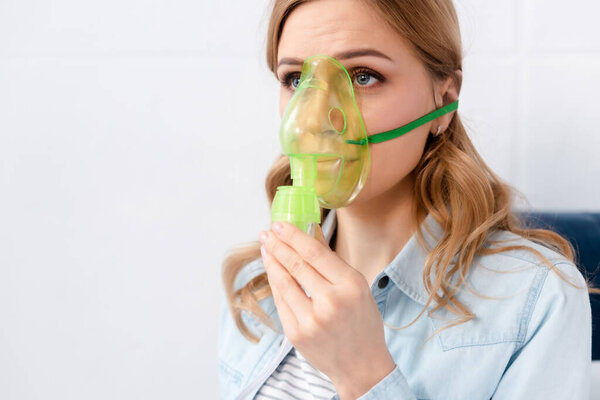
point(395, 159)
point(392, 161)
point(395, 105)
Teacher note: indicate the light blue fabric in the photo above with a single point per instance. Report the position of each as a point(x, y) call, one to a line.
point(534, 343)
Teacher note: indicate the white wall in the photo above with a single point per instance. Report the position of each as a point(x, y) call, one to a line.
point(531, 78)
point(134, 141)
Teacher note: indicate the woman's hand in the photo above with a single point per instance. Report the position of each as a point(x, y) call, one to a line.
point(338, 329)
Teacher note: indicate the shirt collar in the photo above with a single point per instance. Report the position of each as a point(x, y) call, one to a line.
point(406, 269)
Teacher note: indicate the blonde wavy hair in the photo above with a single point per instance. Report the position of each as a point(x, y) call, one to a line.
point(451, 178)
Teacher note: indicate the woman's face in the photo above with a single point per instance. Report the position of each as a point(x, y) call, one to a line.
point(391, 89)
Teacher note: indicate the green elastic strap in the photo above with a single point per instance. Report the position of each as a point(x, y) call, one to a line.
point(383, 136)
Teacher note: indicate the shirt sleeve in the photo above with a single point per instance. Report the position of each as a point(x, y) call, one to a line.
point(392, 387)
point(554, 360)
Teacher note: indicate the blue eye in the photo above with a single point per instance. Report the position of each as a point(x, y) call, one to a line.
point(287, 79)
point(297, 80)
point(363, 81)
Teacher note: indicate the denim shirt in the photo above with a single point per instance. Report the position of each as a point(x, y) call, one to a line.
point(533, 343)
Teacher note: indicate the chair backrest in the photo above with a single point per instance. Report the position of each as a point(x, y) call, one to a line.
point(582, 229)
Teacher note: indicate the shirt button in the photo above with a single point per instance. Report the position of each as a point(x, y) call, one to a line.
point(383, 282)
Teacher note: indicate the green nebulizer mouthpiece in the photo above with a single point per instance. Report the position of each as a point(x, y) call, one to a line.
point(298, 204)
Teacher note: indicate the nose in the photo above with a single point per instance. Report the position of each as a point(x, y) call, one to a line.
point(316, 108)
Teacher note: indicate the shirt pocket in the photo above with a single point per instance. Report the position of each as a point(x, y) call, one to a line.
point(502, 320)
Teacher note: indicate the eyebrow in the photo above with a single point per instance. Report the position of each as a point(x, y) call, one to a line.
point(345, 55)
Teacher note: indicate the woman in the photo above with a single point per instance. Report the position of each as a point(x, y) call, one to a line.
point(418, 250)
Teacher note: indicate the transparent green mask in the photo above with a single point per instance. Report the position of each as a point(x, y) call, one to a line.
point(323, 134)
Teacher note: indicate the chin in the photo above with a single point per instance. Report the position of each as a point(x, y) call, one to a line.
point(363, 197)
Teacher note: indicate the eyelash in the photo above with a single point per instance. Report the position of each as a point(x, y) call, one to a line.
point(286, 80)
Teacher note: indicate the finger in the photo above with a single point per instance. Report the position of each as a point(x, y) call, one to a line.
point(288, 289)
point(301, 270)
point(318, 255)
point(289, 322)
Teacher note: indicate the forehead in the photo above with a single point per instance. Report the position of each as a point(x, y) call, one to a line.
point(331, 26)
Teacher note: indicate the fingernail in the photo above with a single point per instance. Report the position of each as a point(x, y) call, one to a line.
point(262, 237)
point(277, 227)
point(262, 250)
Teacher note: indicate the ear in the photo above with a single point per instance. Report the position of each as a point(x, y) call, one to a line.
point(446, 92)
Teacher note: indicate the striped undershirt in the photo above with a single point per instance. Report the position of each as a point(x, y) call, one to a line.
point(296, 379)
